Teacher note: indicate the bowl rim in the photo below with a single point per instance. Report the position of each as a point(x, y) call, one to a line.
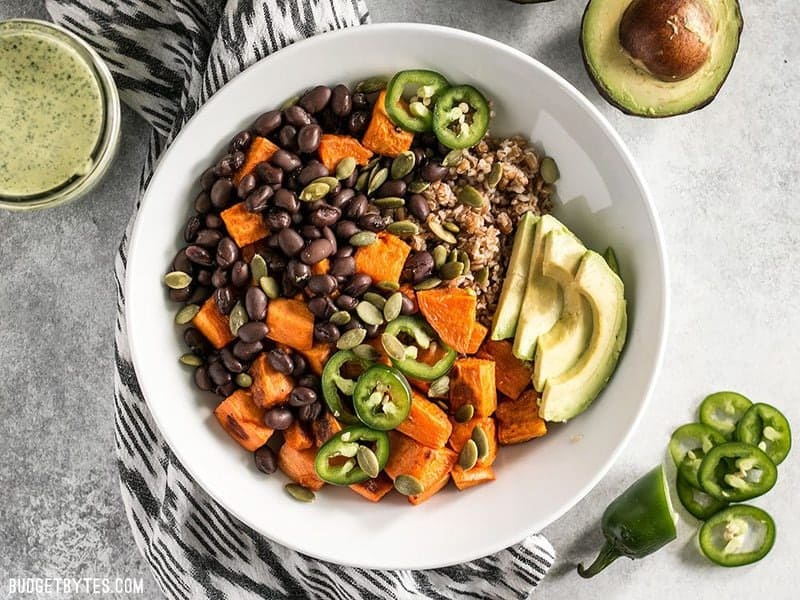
point(660, 252)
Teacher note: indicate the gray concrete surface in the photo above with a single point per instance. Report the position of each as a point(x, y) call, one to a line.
point(724, 183)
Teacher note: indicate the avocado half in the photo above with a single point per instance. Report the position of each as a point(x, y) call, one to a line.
point(627, 84)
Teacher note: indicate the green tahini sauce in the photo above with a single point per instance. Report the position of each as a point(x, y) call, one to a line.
point(51, 114)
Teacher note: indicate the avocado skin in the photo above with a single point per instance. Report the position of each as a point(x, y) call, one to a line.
point(632, 111)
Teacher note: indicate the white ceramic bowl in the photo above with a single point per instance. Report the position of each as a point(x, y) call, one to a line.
point(604, 202)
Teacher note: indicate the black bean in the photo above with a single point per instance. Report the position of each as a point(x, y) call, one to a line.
point(240, 273)
point(346, 229)
point(350, 182)
point(355, 207)
point(195, 340)
point(297, 115)
point(237, 159)
point(275, 261)
point(433, 172)
point(269, 173)
point(318, 307)
point(372, 222)
point(288, 285)
point(394, 187)
point(357, 122)
point(310, 232)
point(213, 221)
point(181, 262)
point(202, 380)
point(343, 266)
point(354, 323)
point(418, 206)
point(224, 167)
point(301, 396)
point(277, 219)
point(287, 137)
point(220, 278)
point(360, 101)
point(419, 266)
point(247, 184)
point(309, 412)
point(207, 179)
point(309, 380)
point(192, 227)
point(198, 255)
point(280, 361)
point(181, 295)
point(328, 234)
point(200, 294)
point(372, 97)
point(245, 350)
point(316, 251)
point(204, 277)
point(267, 123)
point(230, 361)
point(253, 331)
point(272, 241)
point(285, 160)
point(322, 284)
point(326, 332)
point(208, 238)
point(372, 330)
point(241, 140)
point(225, 299)
point(342, 197)
point(315, 99)
point(258, 199)
point(313, 170)
point(265, 460)
point(297, 272)
point(419, 155)
point(279, 418)
point(308, 138)
point(341, 101)
point(219, 374)
point(227, 252)
point(255, 302)
point(286, 200)
point(221, 193)
point(325, 216)
point(300, 367)
point(223, 391)
point(327, 120)
point(202, 202)
point(346, 302)
point(407, 307)
point(290, 241)
point(358, 284)
point(344, 252)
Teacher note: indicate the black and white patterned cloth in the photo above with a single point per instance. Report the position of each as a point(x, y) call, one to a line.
point(168, 57)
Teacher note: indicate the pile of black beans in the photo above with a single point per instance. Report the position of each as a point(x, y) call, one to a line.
point(301, 234)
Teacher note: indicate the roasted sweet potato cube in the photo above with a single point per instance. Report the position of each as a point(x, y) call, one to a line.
point(297, 436)
point(383, 136)
point(384, 259)
point(298, 465)
point(373, 489)
point(476, 337)
point(451, 312)
point(431, 490)
point(463, 431)
point(408, 457)
point(472, 381)
point(512, 375)
point(214, 326)
point(324, 428)
point(321, 267)
point(269, 387)
point(518, 420)
point(333, 148)
point(243, 420)
point(260, 150)
point(291, 323)
point(426, 422)
point(243, 226)
point(317, 356)
point(474, 476)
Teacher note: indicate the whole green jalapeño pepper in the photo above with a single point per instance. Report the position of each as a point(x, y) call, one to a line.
point(336, 460)
point(423, 335)
point(456, 127)
point(416, 113)
point(767, 428)
point(382, 398)
point(637, 523)
point(739, 535)
point(334, 383)
point(736, 471)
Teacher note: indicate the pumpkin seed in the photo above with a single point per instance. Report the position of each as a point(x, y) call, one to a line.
point(482, 276)
point(451, 270)
point(481, 441)
point(468, 455)
point(387, 286)
point(463, 258)
point(314, 191)
point(258, 268)
point(393, 306)
point(393, 346)
point(367, 461)
point(389, 202)
point(332, 182)
point(299, 493)
point(453, 256)
point(290, 101)
point(351, 338)
point(377, 179)
point(371, 85)
point(269, 286)
point(469, 196)
point(369, 313)
point(464, 413)
point(186, 314)
point(549, 170)
point(408, 485)
point(373, 162)
point(403, 228)
point(243, 380)
point(443, 405)
point(403, 164)
point(376, 299)
point(237, 318)
point(451, 227)
point(440, 388)
point(428, 284)
point(418, 186)
point(345, 167)
point(363, 238)
point(361, 181)
point(494, 176)
point(340, 317)
point(452, 158)
point(177, 280)
point(440, 232)
point(366, 352)
point(439, 256)
point(190, 360)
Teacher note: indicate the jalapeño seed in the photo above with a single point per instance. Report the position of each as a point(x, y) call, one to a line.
point(361, 182)
point(369, 313)
point(371, 85)
point(482, 276)
point(243, 380)
point(177, 280)
point(417, 186)
point(190, 360)
point(428, 284)
point(375, 299)
point(351, 338)
point(270, 287)
point(366, 352)
point(494, 176)
point(363, 238)
point(403, 228)
point(186, 314)
point(258, 268)
point(408, 485)
point(314, 191)
point(340, 317)
point(393, 306)
point(394, 347)
point(451, 270)
point(367, 461)
point(468, 455)
point(345, 167)
point(440, 388)
point(389, 202)
point(387, 286)
point(464, 413)
point(403, 164)
point(440, 232)
point(469, 196)
point(377, 179)
point(481, 441)
point(299, 493)
point(549, 170)
point(237, 318)
point(452, 159)
point(439, 256)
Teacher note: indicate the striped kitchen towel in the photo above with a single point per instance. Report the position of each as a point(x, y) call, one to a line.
point(168, 57)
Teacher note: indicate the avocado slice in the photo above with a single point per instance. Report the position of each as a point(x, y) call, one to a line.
point(571, 392)
point(561, 347)
point(543, 299)
point(636, 78)
point(504, 323)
